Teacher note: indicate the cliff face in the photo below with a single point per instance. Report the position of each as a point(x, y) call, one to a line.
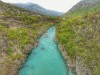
point(78, 33)
point(19, 33)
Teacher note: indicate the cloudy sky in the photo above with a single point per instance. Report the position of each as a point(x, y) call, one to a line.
point(58, 5)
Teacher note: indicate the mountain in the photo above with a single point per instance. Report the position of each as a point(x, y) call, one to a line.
point(38, 9)
point(19, 33)
point(86, 3)
point(83, 6)
point(79, 35)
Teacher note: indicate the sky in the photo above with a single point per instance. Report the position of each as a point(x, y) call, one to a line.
point(57, 5)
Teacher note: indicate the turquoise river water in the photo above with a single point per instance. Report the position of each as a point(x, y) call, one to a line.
point(45, 59)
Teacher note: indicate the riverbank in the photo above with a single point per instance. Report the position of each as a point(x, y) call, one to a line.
point(76, 65)
point(30, 49)
point(69, 62)
point(45, 59)
point(10, 65)
point(78, 32)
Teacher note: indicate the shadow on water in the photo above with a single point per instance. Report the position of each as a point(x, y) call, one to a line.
point(45, 59)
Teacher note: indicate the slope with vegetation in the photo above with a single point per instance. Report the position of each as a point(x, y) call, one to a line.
point(79, 34)
point(38, 9)
point(19, 33)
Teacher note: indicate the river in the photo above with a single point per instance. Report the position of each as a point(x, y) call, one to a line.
point(46, 58)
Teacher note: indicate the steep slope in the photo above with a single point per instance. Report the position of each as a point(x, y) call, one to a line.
point(38, 9)
point(19, 33)
point(79, 34)
point(85, 4)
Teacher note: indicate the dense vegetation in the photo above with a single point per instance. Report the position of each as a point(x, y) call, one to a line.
point(79, 34)
point(19, 33)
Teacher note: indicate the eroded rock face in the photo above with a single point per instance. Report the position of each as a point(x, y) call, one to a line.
point(3, 45)
point(69, 62)
point(81, 69)
point(77, 65)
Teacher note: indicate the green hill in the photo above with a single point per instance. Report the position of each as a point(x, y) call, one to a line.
point(19, 33)
point(79, 34)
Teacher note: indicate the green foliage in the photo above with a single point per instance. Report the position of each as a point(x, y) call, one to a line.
point(20, 28)
point(1, 27)
point(9, 50)
point(21, 35)
point(79, 33)
point(14, 57)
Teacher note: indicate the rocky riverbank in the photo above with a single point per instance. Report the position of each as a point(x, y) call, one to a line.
point(10, 65)
point(76, 65)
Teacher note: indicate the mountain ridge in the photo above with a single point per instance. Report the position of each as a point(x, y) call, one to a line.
point(38, 9)
point(83, 4)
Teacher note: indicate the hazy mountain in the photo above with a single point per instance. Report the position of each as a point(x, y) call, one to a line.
point(38, 9)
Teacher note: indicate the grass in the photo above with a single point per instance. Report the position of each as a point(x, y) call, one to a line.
point(1, 27)
point(21, 28)
point(79, 33)
point(9, 50)
point(21, 35)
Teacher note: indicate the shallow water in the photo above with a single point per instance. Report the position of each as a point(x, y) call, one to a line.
point(45, 59)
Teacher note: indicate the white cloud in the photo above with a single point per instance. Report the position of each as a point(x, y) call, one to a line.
point(58, 5)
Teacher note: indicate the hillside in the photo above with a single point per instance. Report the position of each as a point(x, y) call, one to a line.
point(79, 34)
point(38, 9)
point(19, 33)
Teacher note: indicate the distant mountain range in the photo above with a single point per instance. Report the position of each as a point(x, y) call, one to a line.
point(38, 9)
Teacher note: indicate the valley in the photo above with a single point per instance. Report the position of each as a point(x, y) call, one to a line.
point(50, 43)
